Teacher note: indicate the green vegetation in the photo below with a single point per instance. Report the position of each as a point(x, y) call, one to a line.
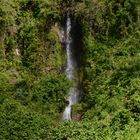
point(33, 86)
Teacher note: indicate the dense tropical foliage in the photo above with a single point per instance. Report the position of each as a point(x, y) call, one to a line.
point(33, 85)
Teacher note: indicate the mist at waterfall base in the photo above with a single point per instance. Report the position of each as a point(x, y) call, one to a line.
point(71, 68)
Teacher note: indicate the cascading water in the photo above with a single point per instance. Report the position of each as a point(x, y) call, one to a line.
point(71, 69)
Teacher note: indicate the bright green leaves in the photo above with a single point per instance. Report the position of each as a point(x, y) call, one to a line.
point(32, 90)
point(16, 122)
point(108, 18)
point(111, 75)
point(73, 131)
point(27, 39)
point(51, 89)
point(8, 11)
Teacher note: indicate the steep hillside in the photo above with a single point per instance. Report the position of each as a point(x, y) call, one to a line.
point(33, 84)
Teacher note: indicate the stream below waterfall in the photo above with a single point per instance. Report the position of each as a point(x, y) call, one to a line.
point(71, 69)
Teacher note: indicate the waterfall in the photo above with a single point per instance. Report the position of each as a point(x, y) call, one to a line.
point(71, 69)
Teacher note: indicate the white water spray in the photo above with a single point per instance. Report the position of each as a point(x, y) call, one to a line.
point(71, 70)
